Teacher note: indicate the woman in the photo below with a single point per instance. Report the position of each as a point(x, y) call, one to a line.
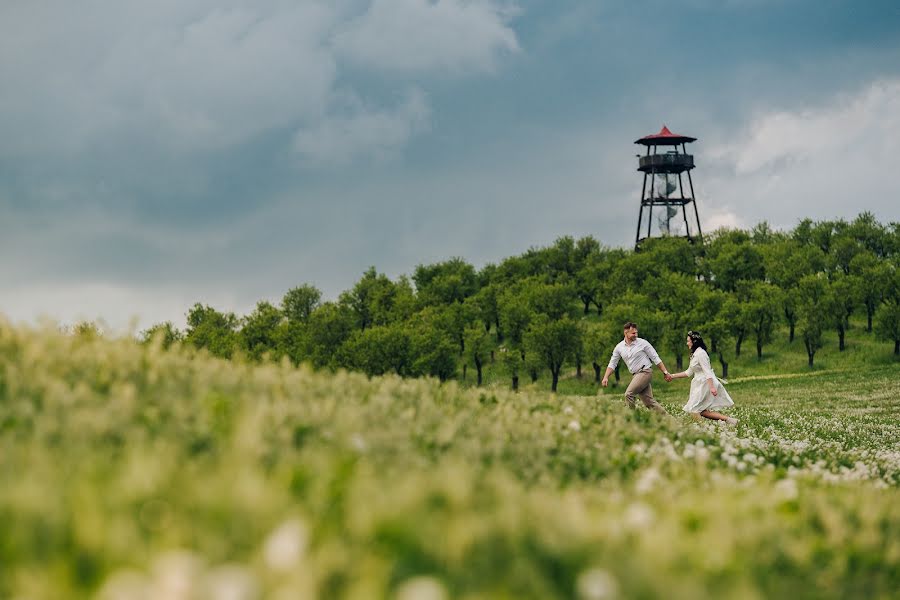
point(707, 392)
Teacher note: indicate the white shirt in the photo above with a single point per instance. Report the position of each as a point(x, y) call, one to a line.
point(637, 356)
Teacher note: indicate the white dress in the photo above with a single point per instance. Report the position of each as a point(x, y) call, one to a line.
point(701, 398)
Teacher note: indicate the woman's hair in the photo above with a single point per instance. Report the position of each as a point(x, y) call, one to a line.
point(696, 341)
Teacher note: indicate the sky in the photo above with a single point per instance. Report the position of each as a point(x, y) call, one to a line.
point(158, 154)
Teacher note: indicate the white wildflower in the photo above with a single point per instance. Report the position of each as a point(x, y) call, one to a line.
point(359, 443)
point(639, 516)
point(647, 481)
point(574, 425)
point(125, 585)
point(285, 545)
point(596, 584)
point(421, 588)
point(786, 490)
point(231, 582)
point(175, 575)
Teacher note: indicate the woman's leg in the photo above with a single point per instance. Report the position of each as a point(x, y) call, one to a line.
point(711, 414)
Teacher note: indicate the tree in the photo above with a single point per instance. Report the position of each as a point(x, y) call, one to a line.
point(734, 316)
point(551, 299)
point(732, 259)
point(553, 342)
point(378, 350)
point(706, 309)
point(887, 317)
point(210, 329)
point(478, 347)
point(328, 327)
point(487, 304)
point(813, 298)
point(455, 318)
point(674, 295)
point(593, 280)
point(446, 282)
point(515, 315)
point(887, 320)
point(787, 261)
point(511, 359)
point(871, 277)
point(434, 352)
point(671, 255)
point(870, 234)
point(843, 295)
point(761, 310)
point(166, 334)
point(86, 330)
point(843, 250)
point(376, 300)
point(259, 330)
point(598, 344)
point(299, 303)
point(718, 333)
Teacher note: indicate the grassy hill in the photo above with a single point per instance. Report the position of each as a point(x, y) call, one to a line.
point(127, 471)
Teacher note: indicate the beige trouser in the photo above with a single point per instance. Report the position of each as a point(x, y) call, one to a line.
point(640, 386)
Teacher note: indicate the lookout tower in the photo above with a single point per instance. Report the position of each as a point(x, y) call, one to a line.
point(664, 168)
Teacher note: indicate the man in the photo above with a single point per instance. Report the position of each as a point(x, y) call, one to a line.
point(638, 355)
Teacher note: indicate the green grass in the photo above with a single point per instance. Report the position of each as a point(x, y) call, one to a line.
point(132, 472)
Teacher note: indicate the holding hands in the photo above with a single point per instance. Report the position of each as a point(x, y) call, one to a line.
point(669, 377)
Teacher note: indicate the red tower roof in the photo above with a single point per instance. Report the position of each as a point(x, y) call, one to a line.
point(664, 138)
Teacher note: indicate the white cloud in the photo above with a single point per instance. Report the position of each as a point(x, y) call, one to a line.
point(338, 139)
point(419, 35)
point(184, 75)
point(204, 75)
point(118, 308)
point(835, 160)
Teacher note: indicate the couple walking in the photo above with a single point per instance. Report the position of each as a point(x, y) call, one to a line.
point(707, 392)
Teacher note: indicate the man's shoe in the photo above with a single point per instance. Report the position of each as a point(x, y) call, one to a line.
point(731, 421)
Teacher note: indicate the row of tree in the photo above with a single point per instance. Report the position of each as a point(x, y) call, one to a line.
point(563, 305)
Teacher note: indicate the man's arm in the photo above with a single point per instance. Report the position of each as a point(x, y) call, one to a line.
point(605, 380)
point(664, 370)
point(654, 357)
point(613, 361)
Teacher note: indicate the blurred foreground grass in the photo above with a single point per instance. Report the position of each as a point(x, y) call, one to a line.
point(130, 472)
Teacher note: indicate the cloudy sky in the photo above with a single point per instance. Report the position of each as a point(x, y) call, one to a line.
point(157, 154)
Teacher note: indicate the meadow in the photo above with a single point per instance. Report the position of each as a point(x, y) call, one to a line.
point(128, 471)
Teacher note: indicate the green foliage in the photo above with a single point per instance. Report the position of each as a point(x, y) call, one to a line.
point(738, 285)
point(300, 302)
point(258, 335)
point(165, 334)
point(212, 330)
point(731, 260)
point(761, 311)
point(378, 350)
point(552, 342)
point(127, 471)
point(446, 282)
point(328, 328)
point(478, 348)
point(887, 321)
point(814, 300)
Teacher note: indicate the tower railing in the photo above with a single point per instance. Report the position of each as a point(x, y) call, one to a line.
point(671, 163)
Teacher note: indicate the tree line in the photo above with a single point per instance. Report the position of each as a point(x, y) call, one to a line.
point(562, 306)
